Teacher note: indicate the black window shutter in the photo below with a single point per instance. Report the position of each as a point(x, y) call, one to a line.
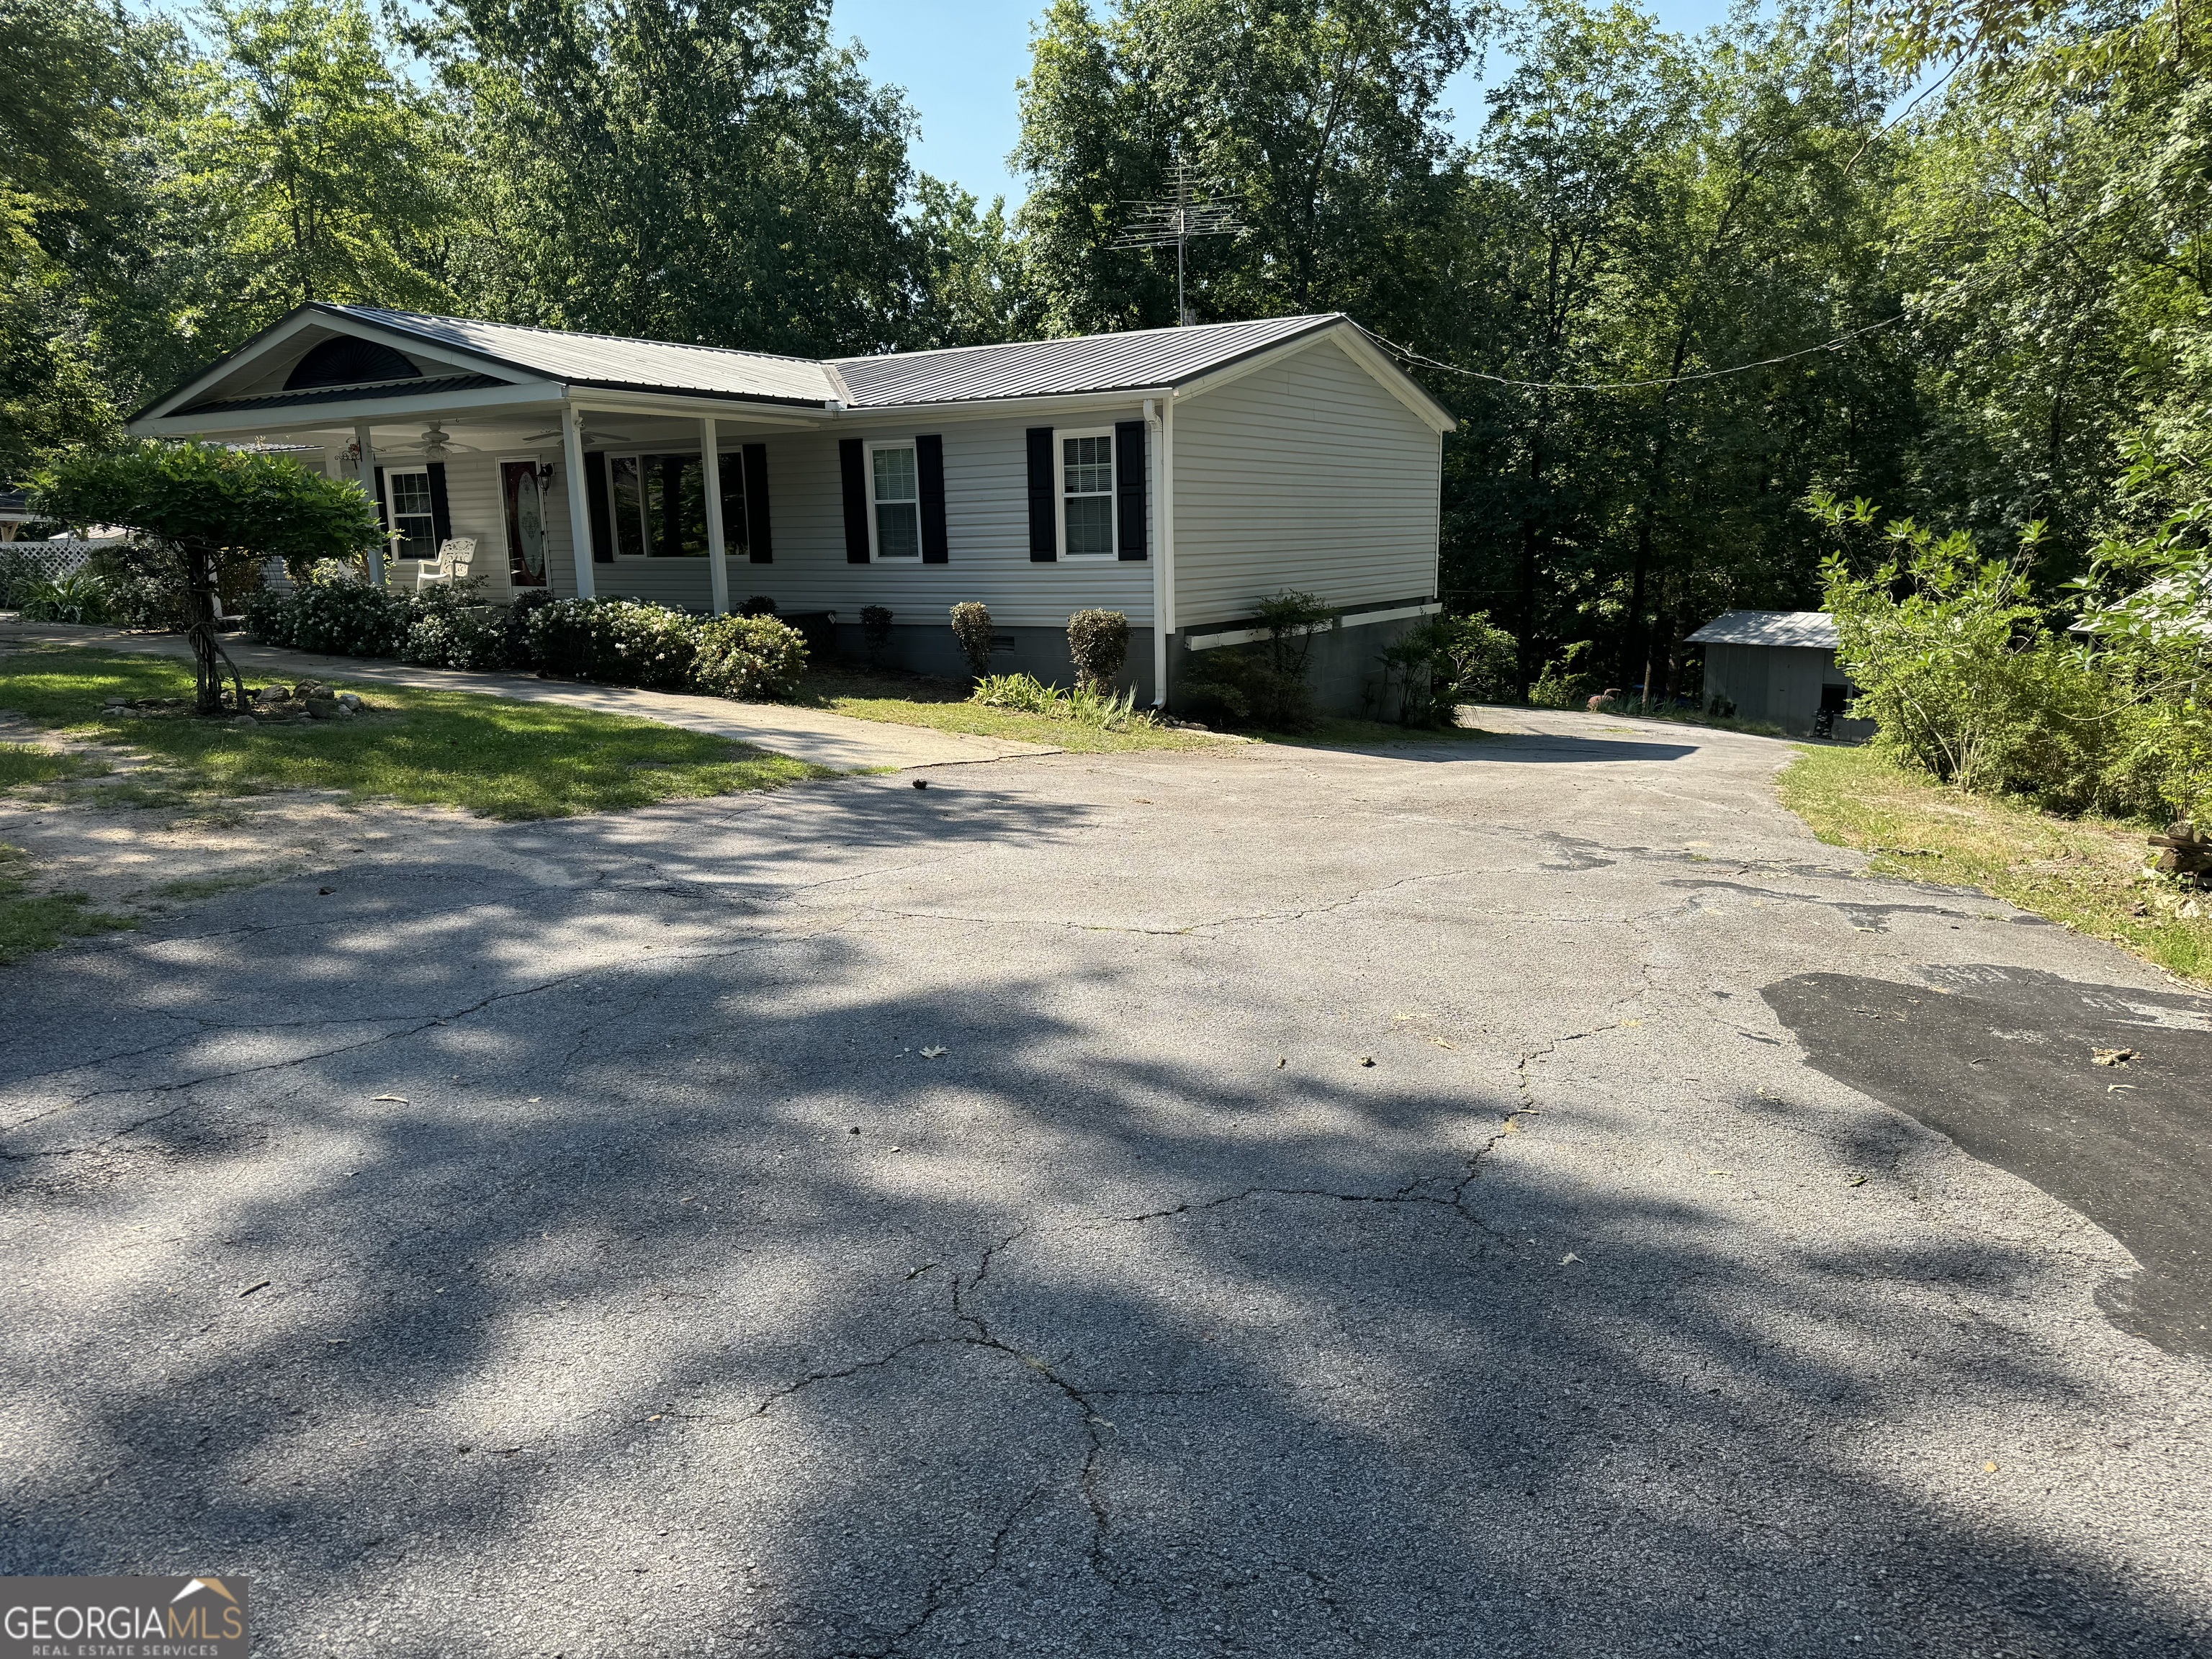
point(757, 503)
point(596, 498)
point(1044, 528)
point(442, 518)
point(1129, 487)
point(381, 517)
point(929, 464)
point(850, 462)
point(671, 519)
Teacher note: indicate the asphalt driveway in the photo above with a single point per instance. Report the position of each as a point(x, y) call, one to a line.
point(1478, 1200)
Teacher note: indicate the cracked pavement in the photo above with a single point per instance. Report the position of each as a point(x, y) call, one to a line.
point(1460, 1200)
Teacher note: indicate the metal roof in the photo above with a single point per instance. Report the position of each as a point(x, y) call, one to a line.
point(1809, 630)
point(604, 360)
point(1048, 368)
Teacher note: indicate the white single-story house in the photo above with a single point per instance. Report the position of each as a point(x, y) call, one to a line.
point(1779, 666)
point(1179, 475)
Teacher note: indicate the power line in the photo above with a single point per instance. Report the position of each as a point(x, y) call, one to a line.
point(1408, 356)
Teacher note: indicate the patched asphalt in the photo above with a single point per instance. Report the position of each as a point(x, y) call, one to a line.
point(1524, 1198)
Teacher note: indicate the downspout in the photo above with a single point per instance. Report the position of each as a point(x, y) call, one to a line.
point(1161, 421)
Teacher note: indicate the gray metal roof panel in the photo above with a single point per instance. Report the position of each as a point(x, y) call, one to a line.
point(1046, 368)
point(606, 361)
point(1810, 630)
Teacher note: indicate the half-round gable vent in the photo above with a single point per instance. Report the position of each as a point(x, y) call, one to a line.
point(346, 360)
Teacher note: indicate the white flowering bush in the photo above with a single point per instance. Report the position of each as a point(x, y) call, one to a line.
point(751, 659)
point(616, 643)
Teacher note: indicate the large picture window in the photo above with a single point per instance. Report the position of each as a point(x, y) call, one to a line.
point(1086, 493)
point(407, 499)
point(894, 502)
point(659, 505)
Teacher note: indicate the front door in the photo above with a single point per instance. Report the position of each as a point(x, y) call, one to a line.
point(525, 522)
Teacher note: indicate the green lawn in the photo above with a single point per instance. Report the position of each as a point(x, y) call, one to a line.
point(40, 921)
point(2083, 872)
point(918, 700)
point(486, 755)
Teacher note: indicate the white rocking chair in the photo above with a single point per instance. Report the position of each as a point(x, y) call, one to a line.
point(452, 564)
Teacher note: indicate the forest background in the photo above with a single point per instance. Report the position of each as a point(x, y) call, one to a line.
point(1963, 247)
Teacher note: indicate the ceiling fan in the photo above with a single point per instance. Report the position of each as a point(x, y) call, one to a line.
point(436, 443)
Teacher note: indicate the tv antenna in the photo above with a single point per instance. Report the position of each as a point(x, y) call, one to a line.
point(1196, 206)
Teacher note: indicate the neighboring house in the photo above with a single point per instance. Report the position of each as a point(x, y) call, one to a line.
point(1179, 475)
point(1779, 666)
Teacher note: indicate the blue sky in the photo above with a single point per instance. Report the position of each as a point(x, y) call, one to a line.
point(959, 62)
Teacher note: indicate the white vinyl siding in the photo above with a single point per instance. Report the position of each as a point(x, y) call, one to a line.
point(1305, 474)
point(986, 524)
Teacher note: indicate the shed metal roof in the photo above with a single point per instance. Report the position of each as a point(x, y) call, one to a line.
point(1048, 368)
point(1813, 630)
point(604, 359)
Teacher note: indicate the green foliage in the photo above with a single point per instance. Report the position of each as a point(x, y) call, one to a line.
point(239, 506)
point(751, 659)
point(1442, 661)
point(78, 596)
point(1098, 644)
point(616, 642)
point(1563, 685)
point(1953, 662)
point(1089, 706)
point(971, 626)
point(1289, 619)
point(876, 630)
point(451, 627)
point(314, 169)
point(340, 618)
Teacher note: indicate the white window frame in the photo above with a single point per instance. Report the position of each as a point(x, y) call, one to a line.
point(1060, 497)
point(391, 475)
point(868, 468)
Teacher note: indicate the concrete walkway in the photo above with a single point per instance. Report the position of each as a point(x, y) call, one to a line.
point(808, 734)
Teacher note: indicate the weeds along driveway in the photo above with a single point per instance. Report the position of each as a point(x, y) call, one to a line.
point(480, 1256)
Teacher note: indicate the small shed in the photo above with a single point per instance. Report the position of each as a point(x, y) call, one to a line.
point(1779, 665)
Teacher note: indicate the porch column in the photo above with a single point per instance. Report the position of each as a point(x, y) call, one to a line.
point(710, 465)
point(368, 489)
point(580, 501)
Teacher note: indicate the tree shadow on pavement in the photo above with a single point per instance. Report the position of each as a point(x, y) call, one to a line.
point(589, 1326)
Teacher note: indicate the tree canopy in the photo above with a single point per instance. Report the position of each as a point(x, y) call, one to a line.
point(1949, 257)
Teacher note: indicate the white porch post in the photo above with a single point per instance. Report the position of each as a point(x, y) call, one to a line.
point(710, 466)
point(580, 502)
point(1163, 618)
point(361, 436)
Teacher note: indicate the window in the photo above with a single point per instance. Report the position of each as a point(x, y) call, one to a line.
point(659, 504)
point(894, 502)
point(1086, 493)
point(407, 499)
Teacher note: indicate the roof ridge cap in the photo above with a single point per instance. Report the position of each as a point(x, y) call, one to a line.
point(1110, 334)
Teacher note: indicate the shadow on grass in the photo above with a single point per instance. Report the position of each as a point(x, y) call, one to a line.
point(509, 1259)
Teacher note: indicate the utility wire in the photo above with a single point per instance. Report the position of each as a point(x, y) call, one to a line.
point(1407, 357)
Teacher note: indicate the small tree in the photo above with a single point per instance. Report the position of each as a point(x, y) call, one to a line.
point(203, 510)
point(1098, 644)
point(971, 626)
point(1290, 620)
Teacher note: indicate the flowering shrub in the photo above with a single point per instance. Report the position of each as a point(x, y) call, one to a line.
point(616, 643)
point(453, 627)
point(749, 658)
point(342, 618)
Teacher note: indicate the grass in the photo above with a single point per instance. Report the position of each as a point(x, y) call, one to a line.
point(2085, 873)
point(38, 921)
point(26, 762)
point(918, 700)
point(485, 755)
